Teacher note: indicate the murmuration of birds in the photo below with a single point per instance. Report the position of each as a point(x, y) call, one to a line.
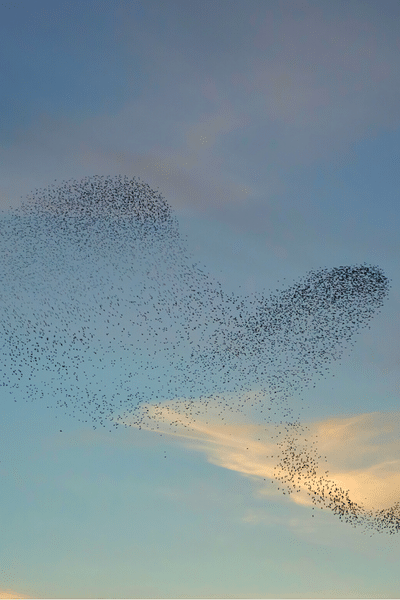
point(103, 314)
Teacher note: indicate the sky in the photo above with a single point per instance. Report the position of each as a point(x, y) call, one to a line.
point(272, 131)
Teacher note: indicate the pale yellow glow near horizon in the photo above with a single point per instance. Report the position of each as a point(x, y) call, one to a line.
point(11, 595)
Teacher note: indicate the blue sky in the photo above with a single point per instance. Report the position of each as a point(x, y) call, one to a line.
point(272, 130)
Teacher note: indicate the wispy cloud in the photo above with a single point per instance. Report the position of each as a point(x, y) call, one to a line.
point(11, 595)
point(363, 455)
point(296, 88)
point(358, 453)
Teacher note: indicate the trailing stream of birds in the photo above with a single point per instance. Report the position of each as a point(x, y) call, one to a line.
point(103, 314)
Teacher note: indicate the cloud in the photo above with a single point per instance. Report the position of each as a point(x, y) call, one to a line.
point(295, 88)
point(358, 453)
point(316, 60)
point(189, 168)
point(11, 595)
point(364, 451)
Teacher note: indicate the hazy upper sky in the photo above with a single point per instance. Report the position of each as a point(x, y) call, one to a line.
point(272, 130)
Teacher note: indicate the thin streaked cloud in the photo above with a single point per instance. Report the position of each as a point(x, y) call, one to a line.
point(358, 453)
point(11, 595)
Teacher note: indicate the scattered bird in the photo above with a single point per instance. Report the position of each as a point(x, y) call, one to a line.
point(103, 313)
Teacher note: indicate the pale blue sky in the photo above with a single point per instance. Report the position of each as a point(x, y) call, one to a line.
point(272, 129)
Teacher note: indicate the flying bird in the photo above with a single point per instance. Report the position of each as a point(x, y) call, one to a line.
point(103, 313)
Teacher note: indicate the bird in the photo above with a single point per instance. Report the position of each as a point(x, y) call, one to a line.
point(104, 313)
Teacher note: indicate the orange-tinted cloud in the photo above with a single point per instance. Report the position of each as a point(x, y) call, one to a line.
point(11, 595)
point(359, 453)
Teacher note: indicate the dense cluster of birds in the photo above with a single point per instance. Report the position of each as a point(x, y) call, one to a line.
point(104, 314)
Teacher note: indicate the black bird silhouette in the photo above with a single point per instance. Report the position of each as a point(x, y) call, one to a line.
point(103, 312)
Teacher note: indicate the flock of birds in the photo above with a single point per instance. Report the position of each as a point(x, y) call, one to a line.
point(103, 314)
